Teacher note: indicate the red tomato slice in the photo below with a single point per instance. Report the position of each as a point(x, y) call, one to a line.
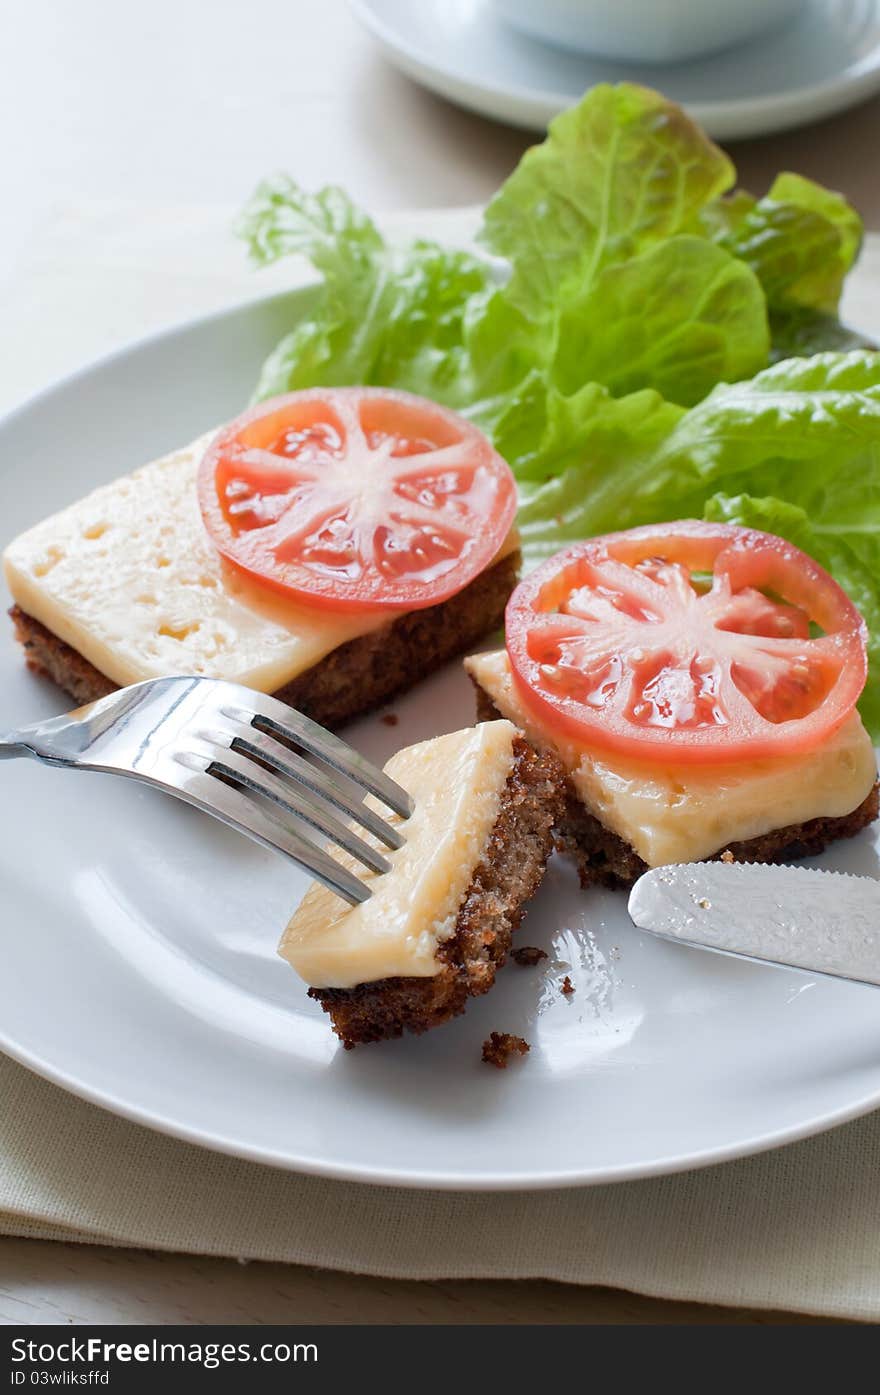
point(356, 498)
point(687, 642)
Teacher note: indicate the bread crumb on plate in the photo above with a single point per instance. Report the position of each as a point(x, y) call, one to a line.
point(500, 1046)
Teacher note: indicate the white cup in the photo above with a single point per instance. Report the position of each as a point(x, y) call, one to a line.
point(646, 31)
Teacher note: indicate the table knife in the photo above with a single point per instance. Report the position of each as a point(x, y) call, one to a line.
point(791, 917)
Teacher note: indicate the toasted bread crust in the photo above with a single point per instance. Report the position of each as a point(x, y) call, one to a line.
point(603, 858)
point(507, 876)
point(350, 680)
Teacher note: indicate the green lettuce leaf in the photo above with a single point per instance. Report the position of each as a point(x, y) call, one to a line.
point(281, 220)
point(679, 318)
point(619, 173)
point(608, 281)
point(591, 469)
point(801, 428)
point(801, 241)
point(384, 315)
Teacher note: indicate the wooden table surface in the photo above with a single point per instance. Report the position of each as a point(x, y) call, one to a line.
point(171, 103)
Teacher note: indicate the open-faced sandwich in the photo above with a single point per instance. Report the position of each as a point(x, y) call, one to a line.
point(330, 547)
point(699, 683)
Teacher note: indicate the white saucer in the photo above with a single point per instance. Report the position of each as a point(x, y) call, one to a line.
point(465, 52)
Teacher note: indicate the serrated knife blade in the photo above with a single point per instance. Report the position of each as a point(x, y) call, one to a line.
point(792, 917)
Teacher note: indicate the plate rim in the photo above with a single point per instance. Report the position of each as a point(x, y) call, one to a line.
point(732, 119)
point(309, 1164)
point(423, 1180)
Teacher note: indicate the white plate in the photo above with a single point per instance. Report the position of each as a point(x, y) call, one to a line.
point(139, 965)
point(823, 63)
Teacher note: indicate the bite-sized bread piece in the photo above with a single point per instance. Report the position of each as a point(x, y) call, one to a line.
point(439, 924)
point(620, 817)
point(126, 585)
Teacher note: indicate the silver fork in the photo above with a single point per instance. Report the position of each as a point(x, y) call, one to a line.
point(235, 754)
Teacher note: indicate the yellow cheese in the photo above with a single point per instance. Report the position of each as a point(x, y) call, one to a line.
point(457, 782)
point(683, 815)
point(130, 579)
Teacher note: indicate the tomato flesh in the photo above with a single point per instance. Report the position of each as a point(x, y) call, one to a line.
point(687, 642)
point(356, 498)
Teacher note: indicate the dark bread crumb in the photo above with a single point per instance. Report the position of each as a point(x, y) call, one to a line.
point(603, 858)
point(357, 677)
point(527, 956)
point(511, 869)
point(567, 986)
point(500, 1046)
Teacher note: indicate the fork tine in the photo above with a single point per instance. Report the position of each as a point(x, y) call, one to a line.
point(293, 767)
point(243, 771)
point(232, 806)
point(274, 718)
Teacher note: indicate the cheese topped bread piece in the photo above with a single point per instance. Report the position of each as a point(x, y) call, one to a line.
point(439, 924)
point(457, 782)
point(130, 580)
point(690, 813)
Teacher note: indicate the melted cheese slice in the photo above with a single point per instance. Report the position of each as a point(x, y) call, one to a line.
point(457, 782)
point(676, 815)
point(130, 579)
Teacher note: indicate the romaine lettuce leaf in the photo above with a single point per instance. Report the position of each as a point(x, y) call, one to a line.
point(591, 471)
point(679, 318)
point(597, 224)
point(280, 220)
point(383, 314)
point(619, 173)
point(801, 241)
point(801, 428)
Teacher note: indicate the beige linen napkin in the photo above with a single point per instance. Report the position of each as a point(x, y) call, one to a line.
point(798, 1228)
